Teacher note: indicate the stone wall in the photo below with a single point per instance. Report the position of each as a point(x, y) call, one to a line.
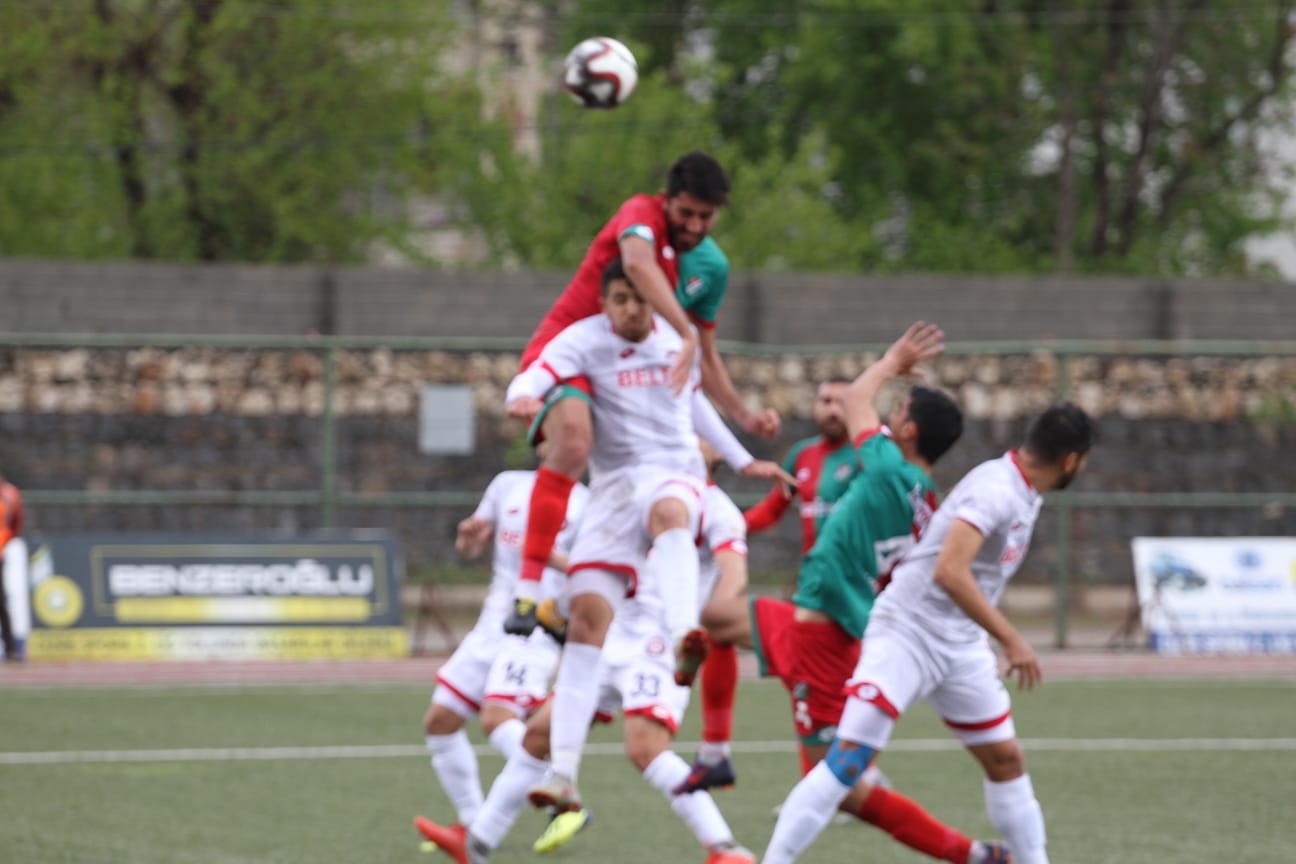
point(223, 419)
point(777, 308)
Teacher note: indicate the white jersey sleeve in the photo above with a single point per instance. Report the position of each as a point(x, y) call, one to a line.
point(711, 428)
point(489, 505)
point(565, 356)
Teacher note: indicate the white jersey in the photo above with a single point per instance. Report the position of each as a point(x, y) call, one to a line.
point(506, 503)
point(996, 499)
point(638, 419)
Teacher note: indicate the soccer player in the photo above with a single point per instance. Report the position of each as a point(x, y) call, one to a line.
point(812, 643)
point(662, 240)
point(498, 677)
point(646, 490)
point(15, 603)
point(635, 678)
point(823, 465)
point(927, 639)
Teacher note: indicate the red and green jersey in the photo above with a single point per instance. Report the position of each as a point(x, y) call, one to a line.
point(641, 216)
point(823, 470)
point(703, 281)
point(887, 506)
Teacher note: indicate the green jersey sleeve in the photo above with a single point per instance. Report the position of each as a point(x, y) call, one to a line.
point(703, 281)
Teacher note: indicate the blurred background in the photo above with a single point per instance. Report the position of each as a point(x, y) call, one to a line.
point(266, 266)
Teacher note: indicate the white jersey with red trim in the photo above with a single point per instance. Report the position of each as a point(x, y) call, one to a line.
point(723, 527)
point(638, 419)
point(506, 503)
point(994, 498)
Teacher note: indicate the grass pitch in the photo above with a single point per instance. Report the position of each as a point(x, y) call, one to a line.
point(1131, 772)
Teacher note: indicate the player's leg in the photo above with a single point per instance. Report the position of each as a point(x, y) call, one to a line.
point(595, 594)
point(976, 707)
point(461, 685)
point(720, 671)
point(517, 684)
point(505, 800)
point(648, 741)
point(567, 427)
point(674, 511)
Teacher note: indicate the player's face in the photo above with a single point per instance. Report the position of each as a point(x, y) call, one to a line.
point(829, 411)
point(631, 315)
point(689, 220)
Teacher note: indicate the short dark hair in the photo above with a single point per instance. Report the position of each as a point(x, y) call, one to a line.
point(700, 175)
point(613, 272)
point(1063, 429)
point(838, 379)
point(939, 419)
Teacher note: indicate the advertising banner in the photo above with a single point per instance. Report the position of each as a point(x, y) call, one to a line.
point(163, 596)
point(1208, 595)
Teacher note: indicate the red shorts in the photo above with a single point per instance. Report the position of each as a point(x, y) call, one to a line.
point(813, 659)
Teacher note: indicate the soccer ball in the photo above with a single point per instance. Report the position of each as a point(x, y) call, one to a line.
point(600, 73)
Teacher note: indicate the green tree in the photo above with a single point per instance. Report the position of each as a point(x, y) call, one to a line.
point(217, 129)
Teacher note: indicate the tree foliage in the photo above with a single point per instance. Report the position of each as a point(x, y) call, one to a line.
point(882, 135)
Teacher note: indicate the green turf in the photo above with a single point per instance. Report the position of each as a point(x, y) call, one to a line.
point(1102, 805)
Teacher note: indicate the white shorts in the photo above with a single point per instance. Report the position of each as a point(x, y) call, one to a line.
point(637, 677)
point(613, 533)
point(509, 670)
point(901, 665)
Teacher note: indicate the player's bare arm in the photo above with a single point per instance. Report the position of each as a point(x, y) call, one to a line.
point(472, 536)
point(640, 262)
point(720, 387)
point(954, 574)
point(920, 342)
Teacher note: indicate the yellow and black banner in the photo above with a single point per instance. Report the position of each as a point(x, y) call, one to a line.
point(153, 597)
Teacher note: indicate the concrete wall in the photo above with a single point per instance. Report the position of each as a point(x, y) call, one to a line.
point(781, 309)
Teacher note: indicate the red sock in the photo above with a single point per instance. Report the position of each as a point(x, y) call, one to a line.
point(806, 762)
point(719, 684)
point(905, 820)
point(544, 520)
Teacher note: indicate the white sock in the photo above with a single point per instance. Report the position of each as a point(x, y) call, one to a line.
point(455, 765)
point(1015, 812)
point(507, 797)
point(672, 566)
point(575, 696)
point(711, 752)
point(507, 737)
point(804, 815)
point(698, 810)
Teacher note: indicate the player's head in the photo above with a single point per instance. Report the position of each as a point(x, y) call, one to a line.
point(930, 419)
point(696, 188)
point(631, 315)
point(1059, 441)
point(830, 410)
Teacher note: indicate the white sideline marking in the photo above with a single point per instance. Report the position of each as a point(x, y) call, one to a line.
point(402, 751)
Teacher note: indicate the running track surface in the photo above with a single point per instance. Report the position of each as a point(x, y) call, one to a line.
point(1058, 666)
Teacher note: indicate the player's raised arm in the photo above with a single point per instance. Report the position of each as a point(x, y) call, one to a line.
point(920, 342)
point(720, 387)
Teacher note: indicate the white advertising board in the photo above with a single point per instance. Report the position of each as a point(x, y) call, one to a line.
point(1217, 595)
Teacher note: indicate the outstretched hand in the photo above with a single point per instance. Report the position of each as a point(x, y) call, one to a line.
point(763, 469)
point(1023, 663)
point(920, 342)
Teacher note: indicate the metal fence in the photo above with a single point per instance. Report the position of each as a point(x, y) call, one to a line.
point(328, 498)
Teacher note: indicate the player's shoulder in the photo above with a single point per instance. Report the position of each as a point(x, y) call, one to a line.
point(706, 254)
point(799, 447)
point(642, 209)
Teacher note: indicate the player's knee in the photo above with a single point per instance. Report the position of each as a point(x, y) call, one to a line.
point(1002, 761)
point(848, 761)
point(569, 432)
point(645, 740)
point(591, 615)
point(666, 515)
point(440, 720)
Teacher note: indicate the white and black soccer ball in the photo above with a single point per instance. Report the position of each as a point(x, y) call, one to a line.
point(600, 72)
